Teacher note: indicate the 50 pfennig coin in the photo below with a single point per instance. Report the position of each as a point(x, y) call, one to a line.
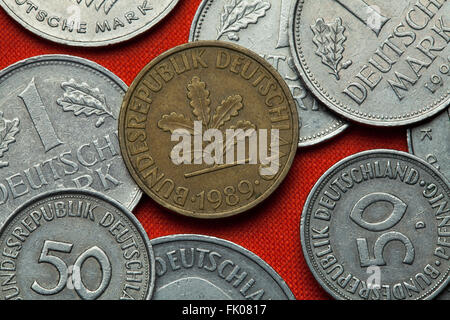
point(176, 119)
point(374, 228)
point(75, 245)
point(382, 63)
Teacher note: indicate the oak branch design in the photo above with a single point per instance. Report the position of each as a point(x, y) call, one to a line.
point(200, 103)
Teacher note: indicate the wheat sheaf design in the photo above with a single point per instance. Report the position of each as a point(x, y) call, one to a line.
point(107, 5)
point(200, 103)
point(329, 39)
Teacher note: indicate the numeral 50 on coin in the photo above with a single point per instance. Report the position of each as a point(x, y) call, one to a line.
point(74, 281)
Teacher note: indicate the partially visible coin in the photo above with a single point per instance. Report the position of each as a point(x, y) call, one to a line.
point(200, 127)
point(384, 64)
point(196, 267)
point(58, 129)
point(431, 142)
point(74, 244)
point(374, 227)
point(262, 26)
point(88, 23)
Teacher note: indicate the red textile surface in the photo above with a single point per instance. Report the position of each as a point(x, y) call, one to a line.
point(272, 229)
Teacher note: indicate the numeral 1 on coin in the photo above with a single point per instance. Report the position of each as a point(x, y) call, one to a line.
point(39, 116)
point(366, 13)
point(283, 36)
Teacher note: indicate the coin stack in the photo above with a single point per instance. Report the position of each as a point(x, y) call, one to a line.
point(209, 130)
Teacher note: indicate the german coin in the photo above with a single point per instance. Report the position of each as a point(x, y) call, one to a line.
point(385, 64)
point(75, 245)
point(431, 142)
point(58, 129)
point(195, 267)
point(374, 227)
point(262, 26)
point(208, 129)
point(88, 23)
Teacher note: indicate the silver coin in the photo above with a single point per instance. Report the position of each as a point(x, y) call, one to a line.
point(74, 244)
point(196, 267)
point(374, 227)
point(431, 141)
point(383, 65)
point(88, 23)
point(58, 129)
point(262, 26)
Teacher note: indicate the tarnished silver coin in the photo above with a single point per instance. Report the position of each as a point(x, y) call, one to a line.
point(384, 63)
point(72, 245)
point(375, 227)
point(196, 267)
point(58, 129)
point(88, 23)
point(262, 26)
point(431, 141)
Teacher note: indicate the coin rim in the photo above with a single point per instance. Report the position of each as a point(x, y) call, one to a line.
point(409, 141)
point(85, 44)
point(328, 101)
point(104, 198)
point(216, 44)
point(307, 141)
point(233, 246)
point(318, 184)
point(83, 63)
point(409, 138)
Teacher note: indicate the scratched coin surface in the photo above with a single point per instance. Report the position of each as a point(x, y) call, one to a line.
point(58, 129)
point(381, 63)
point(175, 125)
point(262, 26)
point(374, 227)
point(88, 23)
point(431, 141)
point(75, 245)
point(196, 267)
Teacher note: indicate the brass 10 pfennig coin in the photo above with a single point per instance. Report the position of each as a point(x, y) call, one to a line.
point(208, 129)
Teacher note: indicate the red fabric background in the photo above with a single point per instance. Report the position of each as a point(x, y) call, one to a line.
point(272, 229)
